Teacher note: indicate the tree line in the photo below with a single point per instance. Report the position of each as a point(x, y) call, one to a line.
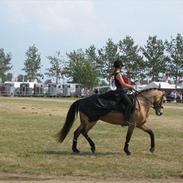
point(88, 66)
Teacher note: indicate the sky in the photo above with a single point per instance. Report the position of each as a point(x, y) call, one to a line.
point(67, 25)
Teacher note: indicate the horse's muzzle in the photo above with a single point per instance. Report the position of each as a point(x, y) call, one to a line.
point(159, 112)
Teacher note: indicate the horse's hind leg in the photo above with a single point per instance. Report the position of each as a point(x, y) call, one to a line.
point(77, 132)
point(87, 125)
point(85, 134)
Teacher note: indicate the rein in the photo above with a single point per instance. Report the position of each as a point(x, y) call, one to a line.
point(152, 105)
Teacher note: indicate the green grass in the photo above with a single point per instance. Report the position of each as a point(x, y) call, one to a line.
point(28, 145)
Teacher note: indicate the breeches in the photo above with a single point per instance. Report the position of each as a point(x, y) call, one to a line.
point(128, 106)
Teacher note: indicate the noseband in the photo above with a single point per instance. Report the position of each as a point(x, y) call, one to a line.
point(158, 104)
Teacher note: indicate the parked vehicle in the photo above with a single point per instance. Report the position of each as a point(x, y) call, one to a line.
point(38, 90)
point(2, 89)
point(9, 89)
point(52, 90)
point(25, 89)
point(66, 92)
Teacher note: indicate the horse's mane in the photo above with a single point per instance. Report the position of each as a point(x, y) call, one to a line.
point(149, 89)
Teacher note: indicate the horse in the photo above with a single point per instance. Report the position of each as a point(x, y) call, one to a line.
point(145, 100)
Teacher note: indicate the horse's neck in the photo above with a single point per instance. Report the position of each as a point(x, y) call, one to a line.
point(145, 102)
point(147, 98)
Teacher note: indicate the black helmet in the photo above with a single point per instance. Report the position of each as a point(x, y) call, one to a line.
point(118, 63)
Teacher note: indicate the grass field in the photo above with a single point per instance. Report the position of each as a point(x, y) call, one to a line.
point(28, 146)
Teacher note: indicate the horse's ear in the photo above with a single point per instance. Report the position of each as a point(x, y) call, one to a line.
point(159, 86)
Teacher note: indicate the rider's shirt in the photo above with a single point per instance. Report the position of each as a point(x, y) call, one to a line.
point(116, 81)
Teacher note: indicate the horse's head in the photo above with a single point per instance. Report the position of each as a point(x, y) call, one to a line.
point(156, 99)
point(158, 102)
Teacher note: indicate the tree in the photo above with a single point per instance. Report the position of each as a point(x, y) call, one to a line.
point(21, 78)
point(5, 64)
point(82, 70)
point(174, 50)
point(155, 62)
point(9, 77)
point(107, 55)
point(32, 63)
point(129, 53)
point(91, 55)
point(73, 64)
point(56, 67)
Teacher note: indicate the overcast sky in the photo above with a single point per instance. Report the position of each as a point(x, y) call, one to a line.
point(67, 25)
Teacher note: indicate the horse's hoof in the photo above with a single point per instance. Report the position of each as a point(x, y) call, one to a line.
point(76, 151)
point(127, 152)
point(93, 149)
point(152, 149)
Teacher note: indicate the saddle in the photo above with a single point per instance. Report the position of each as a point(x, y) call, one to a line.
point(113, 100)
point(99, 105)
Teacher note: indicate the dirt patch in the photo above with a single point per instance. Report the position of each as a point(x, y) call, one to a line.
point(26, 178)
point(30, 110)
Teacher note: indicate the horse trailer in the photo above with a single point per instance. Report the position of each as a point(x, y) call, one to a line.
point(38, 90)
point(66, 90)
point(9, 89)
point(25, 89)
point(52, 90)
point(2, 89)
point(71, 90)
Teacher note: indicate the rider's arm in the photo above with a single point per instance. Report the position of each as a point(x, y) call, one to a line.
point(122, 82)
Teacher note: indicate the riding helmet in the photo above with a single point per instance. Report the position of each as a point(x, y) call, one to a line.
point(118, 63)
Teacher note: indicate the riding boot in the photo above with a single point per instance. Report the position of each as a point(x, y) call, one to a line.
point(127, 113)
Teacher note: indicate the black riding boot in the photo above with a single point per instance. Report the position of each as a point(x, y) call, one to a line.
point(127, 114)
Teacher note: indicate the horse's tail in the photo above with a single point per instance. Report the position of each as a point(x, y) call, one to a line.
point(71, 114)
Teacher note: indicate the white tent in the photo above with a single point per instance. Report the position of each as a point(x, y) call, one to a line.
point(163, 85)
point(180, 84)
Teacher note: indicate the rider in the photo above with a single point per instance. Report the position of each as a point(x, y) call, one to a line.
point(123, 87)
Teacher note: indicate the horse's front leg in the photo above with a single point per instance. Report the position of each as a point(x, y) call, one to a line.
point(128, 137)
point(151, 134)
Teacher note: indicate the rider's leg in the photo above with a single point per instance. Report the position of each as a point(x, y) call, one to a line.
point(128, 109)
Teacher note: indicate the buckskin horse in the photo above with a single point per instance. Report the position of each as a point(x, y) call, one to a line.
point(145, 99)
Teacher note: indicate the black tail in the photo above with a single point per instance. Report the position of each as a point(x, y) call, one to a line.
point(69, 121)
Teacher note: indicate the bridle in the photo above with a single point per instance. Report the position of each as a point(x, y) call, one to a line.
point(155, 105)
point(158, 106)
